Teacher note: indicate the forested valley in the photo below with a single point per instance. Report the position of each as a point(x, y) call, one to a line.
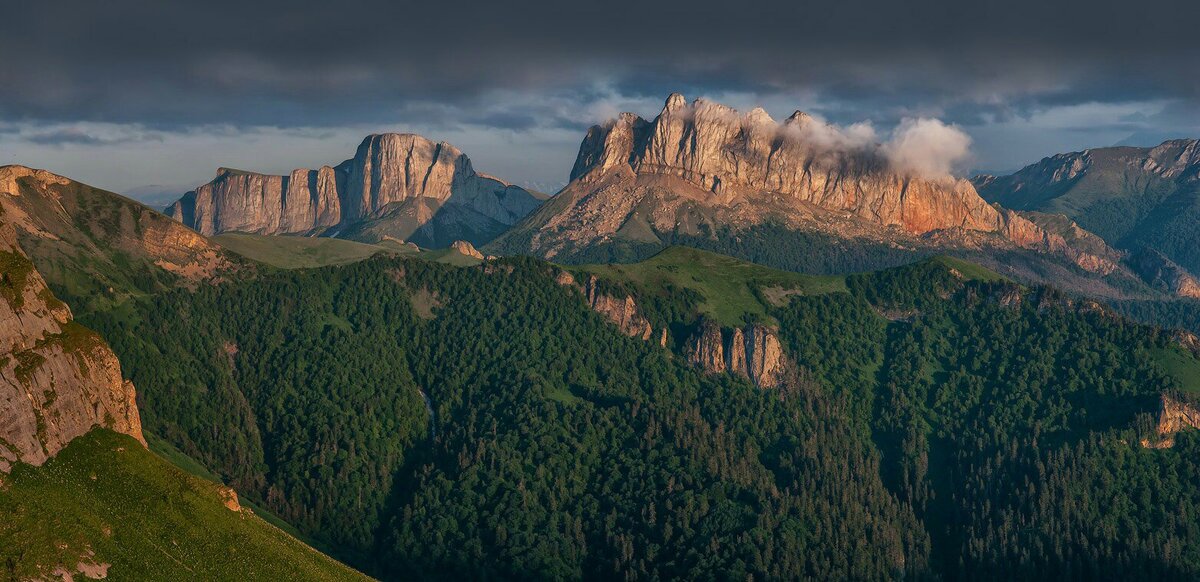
point(932, 426)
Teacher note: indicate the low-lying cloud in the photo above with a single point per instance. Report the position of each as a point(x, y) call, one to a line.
point(927, 148)
point(924, 147)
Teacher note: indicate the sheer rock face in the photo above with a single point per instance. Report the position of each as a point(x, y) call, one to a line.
point(622, 312)
point(706, 163)
point(753, 352)
point(58, 379)
point(733, 155)
point(1173, 416)
point(706, 349)
point(386, 174)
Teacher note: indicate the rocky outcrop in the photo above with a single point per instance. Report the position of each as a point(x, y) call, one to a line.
point(622, 311)
point(1173, 416)
point(753, 352)
point(58, 379)
point(465, 248)
point(404, 180)
point(706, 349)
point(700, 166)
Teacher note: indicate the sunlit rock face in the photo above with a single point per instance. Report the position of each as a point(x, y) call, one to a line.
point(701, 166)
point(401, 176)
point(58, 379)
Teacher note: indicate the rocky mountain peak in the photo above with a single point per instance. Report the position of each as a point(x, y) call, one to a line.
point(675, 102)
point(754, 169)
point(798, 118)
point(397, 185)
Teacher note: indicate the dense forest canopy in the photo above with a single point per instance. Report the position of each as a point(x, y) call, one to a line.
point(445, 422)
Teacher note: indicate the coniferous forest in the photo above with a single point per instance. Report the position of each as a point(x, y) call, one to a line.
point(424, 420)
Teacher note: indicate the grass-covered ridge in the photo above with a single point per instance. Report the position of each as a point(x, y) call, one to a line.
point(106, 500)
point(298, 252)
point(293, 252)
point(732, 289)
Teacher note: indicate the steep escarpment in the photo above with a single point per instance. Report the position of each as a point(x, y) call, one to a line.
point(622, 311)
point(1132, 197)
point(702, 167)
point(753, 351)
point(1174, 415)
point(58, 379)
point(95, 247)
point(400, 186)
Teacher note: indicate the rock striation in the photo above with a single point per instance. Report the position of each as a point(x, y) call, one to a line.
point(58, 379)
point(701, 166)
point(397, 185)
point(753, 352)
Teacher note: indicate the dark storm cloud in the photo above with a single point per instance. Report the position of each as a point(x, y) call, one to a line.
point(175, 63)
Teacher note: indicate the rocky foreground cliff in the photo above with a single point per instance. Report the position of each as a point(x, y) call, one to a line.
point(399, 186)
point(58, 379)
point(699, 167)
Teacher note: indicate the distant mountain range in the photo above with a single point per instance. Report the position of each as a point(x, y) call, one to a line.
point(397, 186)
point(1140, 200)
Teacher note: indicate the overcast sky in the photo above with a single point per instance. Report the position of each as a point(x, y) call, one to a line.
point(150, 96)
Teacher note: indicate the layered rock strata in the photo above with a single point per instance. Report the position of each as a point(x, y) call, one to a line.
point(58, 379)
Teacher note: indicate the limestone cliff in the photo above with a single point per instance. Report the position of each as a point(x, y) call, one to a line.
point(397, 185)
point(622, 311)
point(58, 379)
point(701, 166)
point(753, 352)
point(1173, 416)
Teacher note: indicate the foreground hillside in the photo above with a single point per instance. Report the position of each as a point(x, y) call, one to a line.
point(105, 507)
point(935, 421)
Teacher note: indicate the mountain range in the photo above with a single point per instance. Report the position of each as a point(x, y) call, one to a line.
point(889, 390)
point(1145, 201)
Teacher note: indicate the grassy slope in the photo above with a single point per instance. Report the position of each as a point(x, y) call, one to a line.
point(297, 252)
point(105, 494)
point(1181, 366)
point(731, 287)
point(294, 252)
point(970, 271)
